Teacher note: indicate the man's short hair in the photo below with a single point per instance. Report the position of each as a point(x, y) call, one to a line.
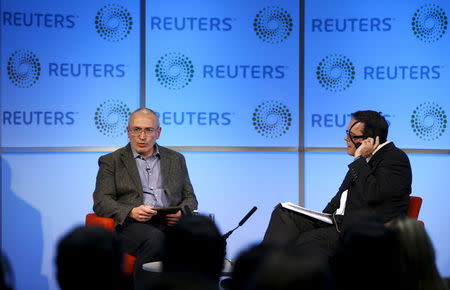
point(146, 111)
point(374, 124)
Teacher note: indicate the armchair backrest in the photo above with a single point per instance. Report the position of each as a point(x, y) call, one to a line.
point(415, 203)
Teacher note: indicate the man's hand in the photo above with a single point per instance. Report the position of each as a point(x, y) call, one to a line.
point(173, 218)
point(367, 147)
point(142, 213)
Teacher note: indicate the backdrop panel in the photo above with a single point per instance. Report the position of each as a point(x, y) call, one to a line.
point(381, 55)
point(224, 74)
point(70, 72)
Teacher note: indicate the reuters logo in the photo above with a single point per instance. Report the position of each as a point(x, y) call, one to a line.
point(429, 23)
point(111, 118)
point(272, 119)
point(113, 22)
point(273, 24)
point(429, 121)
point(174, 71)
point(335, 72)
point(23, 68)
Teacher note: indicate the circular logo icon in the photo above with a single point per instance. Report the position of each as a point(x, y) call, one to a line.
point(23, 68)
point(429, 23)
point(174, 71)
point(111, 118)
point(113, 22)
point(273, 24)
point(272, 119)
point(335, 72)
point(429, 121)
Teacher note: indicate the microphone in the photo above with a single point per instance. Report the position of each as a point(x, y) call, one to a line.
point(246, 217)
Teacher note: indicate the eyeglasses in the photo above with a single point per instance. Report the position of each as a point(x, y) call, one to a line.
point(136, 131)
point(351, 136)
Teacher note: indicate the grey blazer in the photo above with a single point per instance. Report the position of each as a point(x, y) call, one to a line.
point(118, 187)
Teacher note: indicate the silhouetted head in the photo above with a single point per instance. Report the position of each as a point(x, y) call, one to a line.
point(247, 263)
point(182, 281)
point(285, 268)
point(89, 258)
point(6, 274)
point(367, 254)
point(417, 254)
point(195, 246)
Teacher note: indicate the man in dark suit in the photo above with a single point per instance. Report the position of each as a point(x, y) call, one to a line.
point(136, 180)
point(377, 186)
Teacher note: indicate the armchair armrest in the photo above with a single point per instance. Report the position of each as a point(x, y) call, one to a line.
point(94, 220)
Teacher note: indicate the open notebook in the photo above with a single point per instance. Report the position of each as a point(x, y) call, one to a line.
point(325, 217)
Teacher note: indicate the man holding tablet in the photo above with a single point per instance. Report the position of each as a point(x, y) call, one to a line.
point(134, 182)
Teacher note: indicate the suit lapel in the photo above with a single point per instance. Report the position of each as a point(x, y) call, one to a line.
point(347, 182)
point(130, 165)
point(165, 167)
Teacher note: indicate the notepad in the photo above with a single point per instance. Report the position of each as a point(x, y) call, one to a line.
point(325, 217)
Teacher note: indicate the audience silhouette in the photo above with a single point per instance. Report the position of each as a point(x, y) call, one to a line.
point(367, 257)
point(268, 266)
point(89, 258)
point(6, 274)
point(417, 255)
point(194, 248)
point(246, 265)
point(370, 255)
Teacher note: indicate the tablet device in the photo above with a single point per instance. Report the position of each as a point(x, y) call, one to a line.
point(167, 210)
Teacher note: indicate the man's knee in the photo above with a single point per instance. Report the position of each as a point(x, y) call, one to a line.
point(279, 210)
point(156, 240)
point(151, 249)
point(281, 213)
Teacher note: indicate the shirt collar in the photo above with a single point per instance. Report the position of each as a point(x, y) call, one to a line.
point(136, 155)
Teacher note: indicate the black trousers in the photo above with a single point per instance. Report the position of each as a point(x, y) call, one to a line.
point(287, 227)
point(145, 241)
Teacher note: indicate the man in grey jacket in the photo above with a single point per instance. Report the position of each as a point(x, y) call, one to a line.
point(136, 180)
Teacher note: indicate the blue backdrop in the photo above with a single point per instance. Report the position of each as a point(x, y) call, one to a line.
point(231, 76)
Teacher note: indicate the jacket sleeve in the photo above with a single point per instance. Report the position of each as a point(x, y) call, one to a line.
point(106, 195)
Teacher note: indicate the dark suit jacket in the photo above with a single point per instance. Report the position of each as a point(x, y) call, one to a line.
point(379, 188)
point(118, 188)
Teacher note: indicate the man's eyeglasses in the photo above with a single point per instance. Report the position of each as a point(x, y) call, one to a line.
point(351, 136)
point(136, 131)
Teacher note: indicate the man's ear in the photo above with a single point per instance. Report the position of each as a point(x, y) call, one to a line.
point(128, 131)
point(158, 132)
